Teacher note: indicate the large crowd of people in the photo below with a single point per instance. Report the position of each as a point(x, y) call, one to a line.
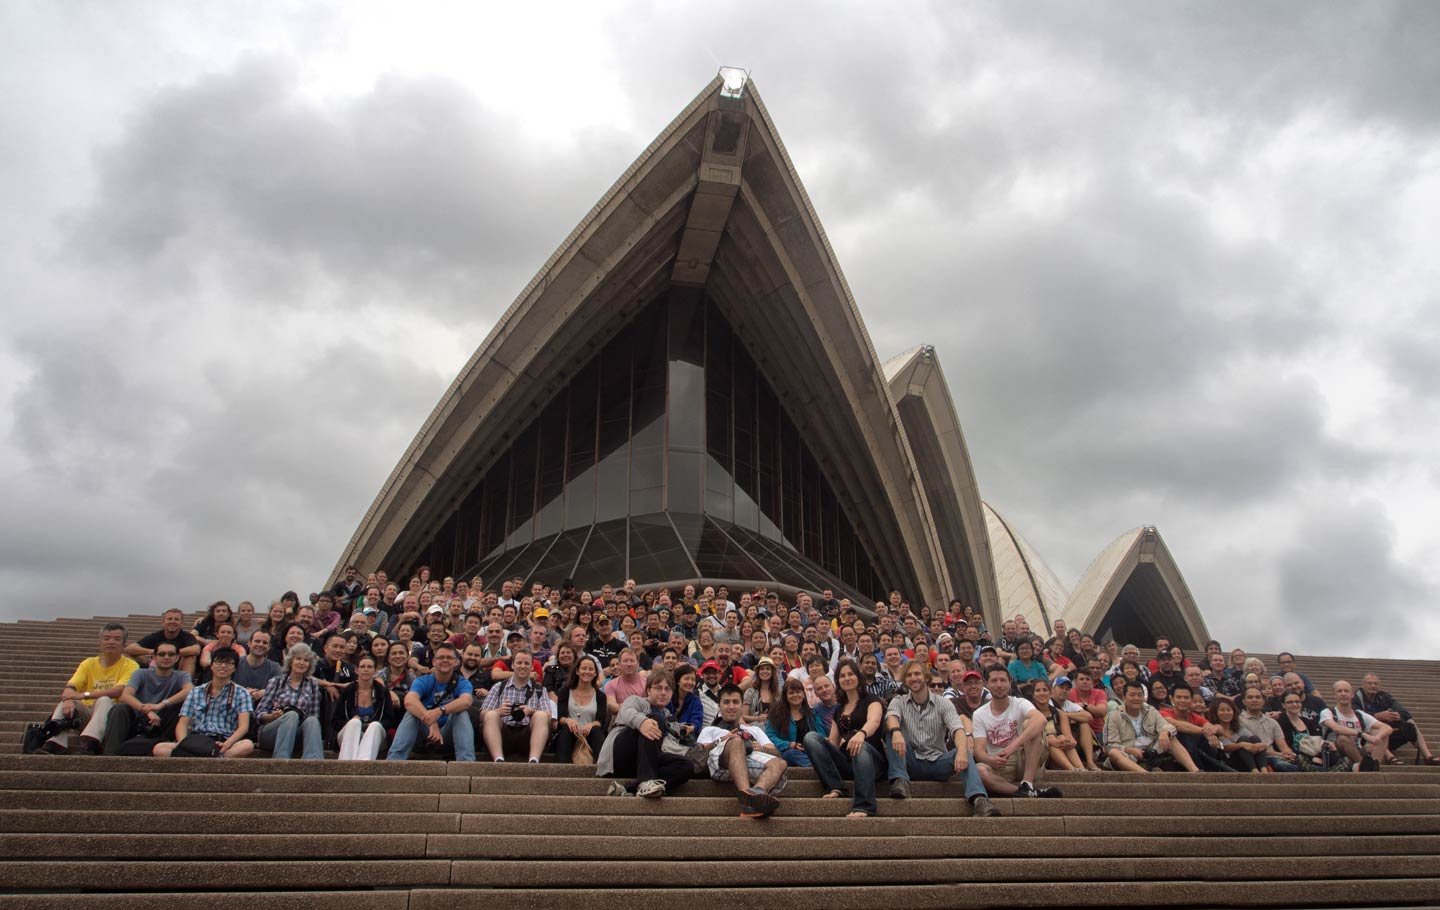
point(656, 687)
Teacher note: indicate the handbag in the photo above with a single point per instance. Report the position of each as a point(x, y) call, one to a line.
point(1310, 746)
point(34, 738)
point(582, 754)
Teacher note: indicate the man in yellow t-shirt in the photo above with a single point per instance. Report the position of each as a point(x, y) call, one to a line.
point(91, 692)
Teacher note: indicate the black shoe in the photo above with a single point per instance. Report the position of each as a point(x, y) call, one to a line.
point(1047, 792)
point(51, 747)
point(981, 807)
point(899, 789)
point(1368, 763)
point(1025, 789)
point(761, 805)
point(89, 746)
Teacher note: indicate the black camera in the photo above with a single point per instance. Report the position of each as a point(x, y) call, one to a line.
point(517, 714)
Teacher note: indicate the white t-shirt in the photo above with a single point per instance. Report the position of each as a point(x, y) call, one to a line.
point(1364, 720)
point(755, 758)
point(999, 729)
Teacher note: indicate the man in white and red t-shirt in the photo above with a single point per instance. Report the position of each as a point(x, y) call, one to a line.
point(1009, 743)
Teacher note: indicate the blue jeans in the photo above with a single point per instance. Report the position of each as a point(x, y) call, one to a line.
point(795, 757)
point(942, 769)
point(1277, 763)
point(458, 731)
point(279, 736)
point(834, 766)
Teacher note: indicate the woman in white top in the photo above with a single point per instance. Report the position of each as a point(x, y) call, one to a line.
point(1350, 729)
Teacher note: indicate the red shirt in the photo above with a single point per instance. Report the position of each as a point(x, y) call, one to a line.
point(1097, 697)
point(1193, 718)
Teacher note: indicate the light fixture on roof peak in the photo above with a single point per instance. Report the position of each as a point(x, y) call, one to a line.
point(734, 79)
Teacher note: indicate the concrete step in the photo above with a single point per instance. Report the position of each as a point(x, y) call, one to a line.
point(240, 876)
point(268, 900)
point(243, 801)
point(296, 848)
point(231, 783)
point(1046, 892)
point(206, 819)
point(916, 846)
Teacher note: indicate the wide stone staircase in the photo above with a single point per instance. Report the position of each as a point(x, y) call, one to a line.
point(80, 831)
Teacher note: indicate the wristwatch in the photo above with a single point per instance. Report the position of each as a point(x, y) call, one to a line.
point(87, 694)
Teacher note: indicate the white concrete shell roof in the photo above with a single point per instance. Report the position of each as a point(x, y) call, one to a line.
point(927, 415)
point(1026, 585)
point(713, 202)
point(1137, 574)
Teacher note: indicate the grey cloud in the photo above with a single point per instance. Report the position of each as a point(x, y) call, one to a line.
point(414, 187)
point(1341, 582)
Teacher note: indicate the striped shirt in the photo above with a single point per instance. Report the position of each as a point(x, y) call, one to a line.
point(928, 727)
point(218, 716)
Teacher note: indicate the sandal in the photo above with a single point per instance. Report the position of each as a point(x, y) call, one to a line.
point(1392, 760)
point(834, 794)
point(1432, 760)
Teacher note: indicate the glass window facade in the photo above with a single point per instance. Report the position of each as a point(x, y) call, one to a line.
point(667, 457)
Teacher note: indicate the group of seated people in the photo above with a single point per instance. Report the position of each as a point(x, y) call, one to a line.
point(654, 690)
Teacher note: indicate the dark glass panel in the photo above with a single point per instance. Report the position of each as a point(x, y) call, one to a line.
point(559, 563)
point(810, 504)
point(580, 460)
point(767, 439)
point(613, 474)
point(829, 530)
point(497, 504)
point(504, 567)
point(523, 458)
point(791, 483)
point(686, 402)
point(655, 551)
point(772, 557)
point(719, 491)
point(647, 437)
point(718, 556)
point(467, 533)
point(603, 560)
point(847, 553)
point(718, 419)
point(684, 485)
point(551, 436)
point(747, 512)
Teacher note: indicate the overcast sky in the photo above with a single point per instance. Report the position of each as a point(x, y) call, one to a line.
point(1173, 258)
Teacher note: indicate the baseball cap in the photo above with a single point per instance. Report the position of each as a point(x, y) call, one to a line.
point(990, 648)
point(435, 608)
point(710, 665)
point(1062, 681)
point(541, 613)
point(971, 674)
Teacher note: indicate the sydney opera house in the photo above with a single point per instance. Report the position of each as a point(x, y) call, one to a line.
point(687, 391)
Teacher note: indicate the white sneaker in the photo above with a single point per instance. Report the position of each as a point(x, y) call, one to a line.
point(616, 789)
point(651, 789)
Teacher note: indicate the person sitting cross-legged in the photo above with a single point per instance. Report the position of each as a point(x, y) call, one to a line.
point(1136, 735)
point(645, 741)
point(742, 754)
point(516, 713)
point(215, 718)
point(1009, 741)
point(438, 705)
point(927, 739)
point(149, 706)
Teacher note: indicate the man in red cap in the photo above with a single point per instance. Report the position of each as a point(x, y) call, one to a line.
point(967, 690)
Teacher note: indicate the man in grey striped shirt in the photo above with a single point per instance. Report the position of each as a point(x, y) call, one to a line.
point(927, 739)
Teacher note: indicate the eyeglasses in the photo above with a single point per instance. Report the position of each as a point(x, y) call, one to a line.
point(939, 687)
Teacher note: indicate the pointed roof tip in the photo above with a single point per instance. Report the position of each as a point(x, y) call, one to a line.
point(1162, 596)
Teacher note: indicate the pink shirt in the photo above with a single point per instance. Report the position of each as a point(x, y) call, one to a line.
point(620, 690)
